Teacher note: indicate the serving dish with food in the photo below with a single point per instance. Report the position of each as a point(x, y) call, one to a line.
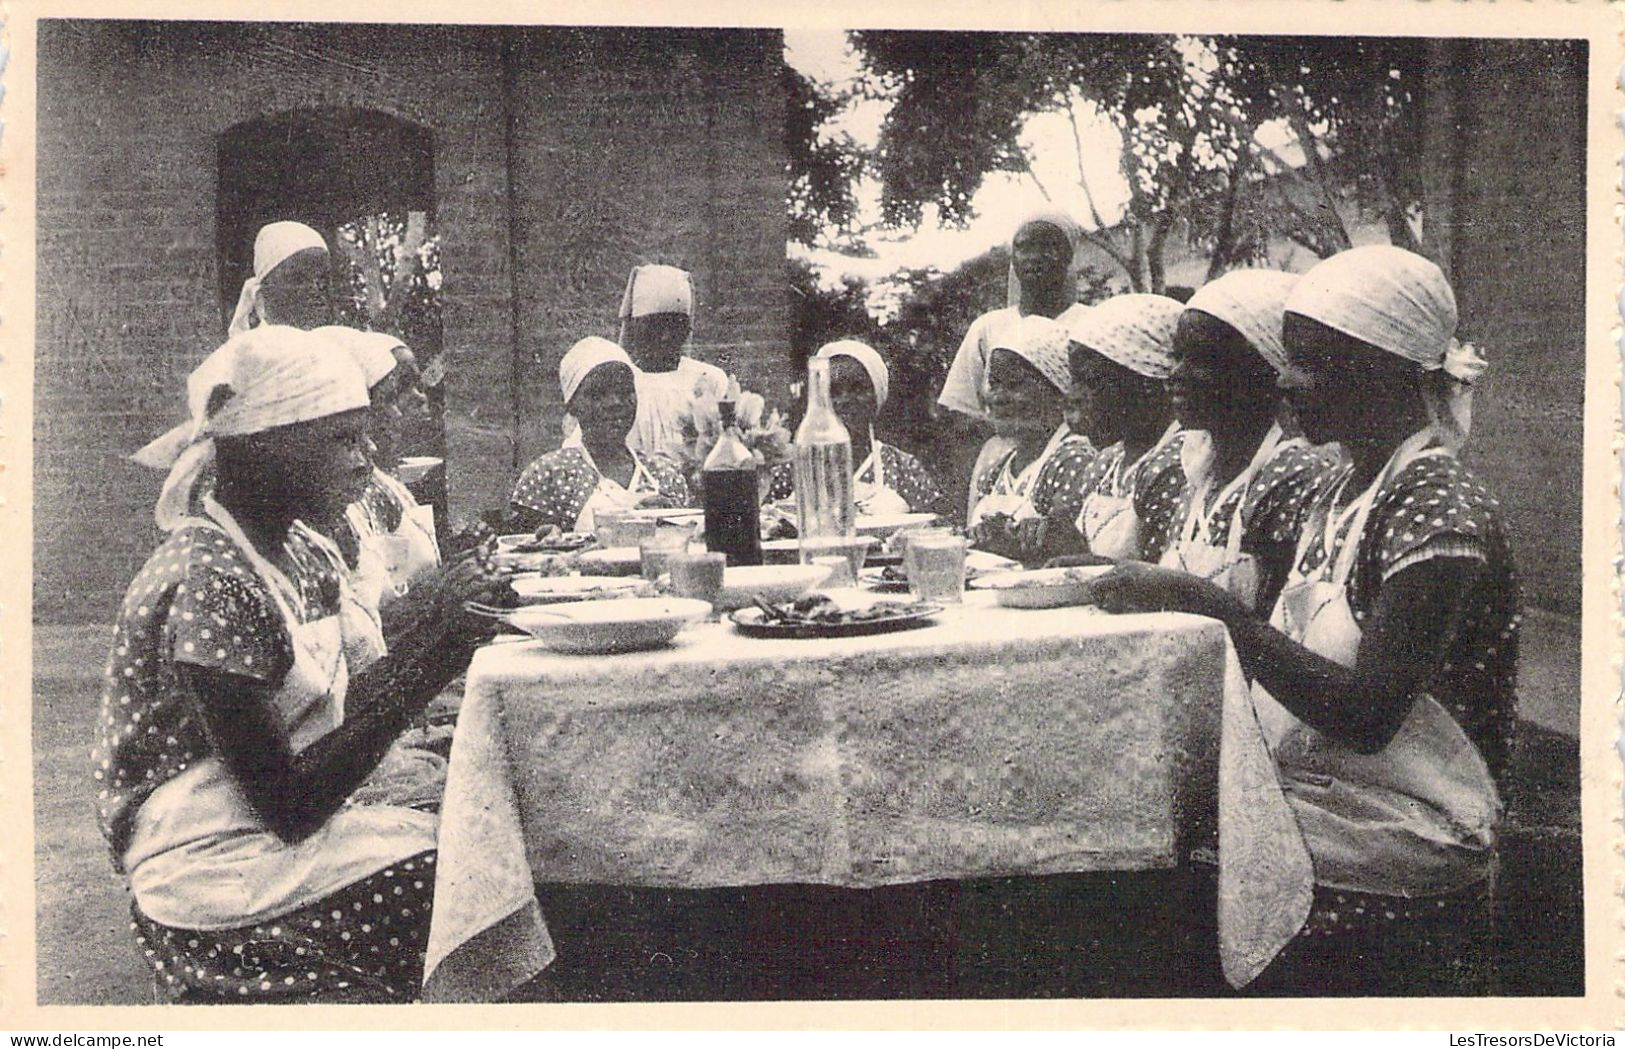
point(815, 615)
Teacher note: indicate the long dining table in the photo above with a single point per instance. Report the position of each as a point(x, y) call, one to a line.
point(993, 743)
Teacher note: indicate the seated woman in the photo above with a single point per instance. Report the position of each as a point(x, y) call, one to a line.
point(1384, 680)
point(1045, 263)
point(596, 468)
point(390, 536)
point(657, 313)
point(1028, 383)
point(292, 282)
point(1118, 504)
point(1247, 486)
point(887, 480)
point(291, 285)
point(232, 731)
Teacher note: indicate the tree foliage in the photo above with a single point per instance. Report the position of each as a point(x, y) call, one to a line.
point(1188, 110)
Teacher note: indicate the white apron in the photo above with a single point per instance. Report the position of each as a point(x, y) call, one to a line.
point(870, 493)
point(405, 775)
point(389, 563)
point(1194, 552)
point(1108, 521)
point(666, 403)
point(199, 858)
point(611, 494)
point(1012, 494)
point(1419, 817)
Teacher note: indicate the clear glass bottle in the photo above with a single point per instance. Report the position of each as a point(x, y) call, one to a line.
point(733, 524)
point(823, 465)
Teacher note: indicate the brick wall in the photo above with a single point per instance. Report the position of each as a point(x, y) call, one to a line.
point(636, 146)
point(128, 293)
point(1507, 149)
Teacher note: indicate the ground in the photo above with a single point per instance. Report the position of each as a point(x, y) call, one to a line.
point(86, 953)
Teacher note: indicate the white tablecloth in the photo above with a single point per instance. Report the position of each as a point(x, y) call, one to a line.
point(996, 742)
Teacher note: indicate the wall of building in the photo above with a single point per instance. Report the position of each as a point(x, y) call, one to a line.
point(128, 293)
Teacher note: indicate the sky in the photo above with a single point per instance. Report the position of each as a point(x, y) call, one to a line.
point(822, 55)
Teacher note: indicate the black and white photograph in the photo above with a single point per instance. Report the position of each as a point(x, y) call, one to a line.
point(817, 514)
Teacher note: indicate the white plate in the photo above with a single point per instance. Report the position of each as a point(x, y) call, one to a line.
point(771, 583)
point(614, 560)
point(547, 590)
point(1041, 588)
point(616, 625)
point(415, 468)
point(883, 525)
point(676, 515)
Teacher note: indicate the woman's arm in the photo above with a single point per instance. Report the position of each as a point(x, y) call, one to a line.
point(1362, 706)
point(295, 794)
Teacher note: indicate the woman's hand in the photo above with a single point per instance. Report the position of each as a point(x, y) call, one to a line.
point(1134, 586)
point(471, 579)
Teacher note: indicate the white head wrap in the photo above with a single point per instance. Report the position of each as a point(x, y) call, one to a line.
point(583, 357)
point(1136, 331)
point(1400, 302)
point(1252, 302)
point(657, 289)
point(276, 376)
point(1042, 343)
point(372, 351)
point(273, 245)
point(1061, 220)
point(864, 354)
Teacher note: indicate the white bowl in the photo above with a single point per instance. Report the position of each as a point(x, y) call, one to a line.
point(1041, 588)
point(614, 560)
point(883, 525)
point(771, 583)
point(547, 590)
point(415, 468)
point(615, 625)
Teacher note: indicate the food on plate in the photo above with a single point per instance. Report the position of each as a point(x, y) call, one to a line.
point(816, 609)
point(778, 523)
point(549, 539)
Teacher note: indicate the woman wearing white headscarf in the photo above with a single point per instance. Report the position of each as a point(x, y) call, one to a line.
point(291, 283)
point(386, 533)
point(887, 479)
point(233, 731)
point(1028, 383)
point(1247, 486)
point(1385, 676)
point(1119, 504)
point(1045, 260)
point(598, 467)
point(657, 312)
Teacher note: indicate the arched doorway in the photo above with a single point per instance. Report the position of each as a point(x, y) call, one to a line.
point(365, 179)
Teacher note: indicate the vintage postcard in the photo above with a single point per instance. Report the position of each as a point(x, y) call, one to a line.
point(1073, 515)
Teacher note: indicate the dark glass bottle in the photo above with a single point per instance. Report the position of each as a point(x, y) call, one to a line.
point(733, 524)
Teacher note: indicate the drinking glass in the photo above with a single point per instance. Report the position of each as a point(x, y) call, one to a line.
point(840, 572)
point(657, 550)
point(936, 567)
point(698, 575)
point(854, 549)
point(622, 528)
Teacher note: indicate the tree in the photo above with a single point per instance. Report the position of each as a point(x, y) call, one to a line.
point(820, 171)
point(1189, 111)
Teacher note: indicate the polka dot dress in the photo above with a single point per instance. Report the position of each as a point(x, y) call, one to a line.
point(1059, 488)
point(557, 485)
point(196, 601)
point(364, 943)
point(1155, 487)
point(1435, 508)
point(1274, 509)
